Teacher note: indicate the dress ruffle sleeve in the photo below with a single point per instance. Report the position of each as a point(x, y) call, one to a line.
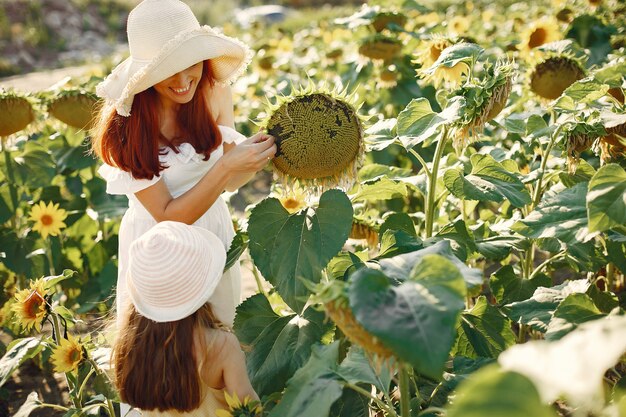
point(122, 182)
point(230, 135)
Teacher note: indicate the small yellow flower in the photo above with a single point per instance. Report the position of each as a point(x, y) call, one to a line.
point(30, 307)
point(245, 408)
point(48, 218)
point(67, 356)
point(459, 25)
point(293, 200)
point(430, 51)
point(539, 33)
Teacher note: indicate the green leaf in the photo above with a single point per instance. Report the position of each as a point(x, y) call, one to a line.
point(375, 171)
point(19, 351)
point(280, 344)
point(573, 367)
point(537, 128)
point(488, 181)
point(574, 310)
point(396, 242)
point(357, 368)
point(581, 92)
point(351, 404)
point(51, 281)
point(583, 173)
point(236, 249)
point(5, 208)
point(491, 392)
point(75, 158)
point(398, 221)
point(416, 319)
point(314, 388)
point(399, 267)
point(290, 249)
point(35, 166)
point(562, 215)
point(461, 52)
point(418, 122)
point(539, 309)
point(483, 332)
point(508, 287)
point(31, 404)
point(380, 189)
point(606, 198)
point(381, 135)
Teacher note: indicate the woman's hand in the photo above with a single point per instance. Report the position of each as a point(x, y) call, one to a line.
point(250, 155)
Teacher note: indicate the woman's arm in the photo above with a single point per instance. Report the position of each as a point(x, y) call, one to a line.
point(245, 159)
point(221, 98)
point(235, 374)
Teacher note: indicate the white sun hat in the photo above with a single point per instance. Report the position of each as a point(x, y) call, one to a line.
point(173, 270)
point(165, 38)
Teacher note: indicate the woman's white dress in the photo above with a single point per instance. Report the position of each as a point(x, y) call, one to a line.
point(184, 170)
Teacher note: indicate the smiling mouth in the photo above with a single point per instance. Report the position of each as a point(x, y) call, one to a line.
point(182, 91)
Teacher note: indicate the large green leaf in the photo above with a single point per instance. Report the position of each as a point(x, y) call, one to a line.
point(461, 52)
point(358, 368)
point(18, 352)
point(576, 309)
point(488, 181)
point(416, 319)
point(280, 344)
point(396, 242)
point(583, 91)
point(351, 404)
point(606, 198)
point(491, 392)
point(35, 166)
point(399, 267)
point(508, 287)
point(290, 249)
point(562, 215)
point(483, 332)
point(398, 221)
point(314, 387)
point(380, 189)
point(418, 122)
point(574, 366)
point(539, 309)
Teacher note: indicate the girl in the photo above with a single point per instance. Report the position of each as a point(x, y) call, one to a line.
point(172, 357)
point(166, 133)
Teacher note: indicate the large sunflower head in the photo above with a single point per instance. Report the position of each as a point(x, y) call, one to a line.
point(430, 49)
point(75, 107)
point(539, 33)
point(579, 137)
point(554, 72)
point(382, 20)
point(31, 307)
point(16, 112)
point(67, 355)
point(319, 135)
point(240, 408)
point(48, 218)
point(380, 47)
point(365, 229)
point(484, 99)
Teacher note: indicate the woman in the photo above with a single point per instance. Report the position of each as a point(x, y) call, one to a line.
point(166, 133)
point(172, 357)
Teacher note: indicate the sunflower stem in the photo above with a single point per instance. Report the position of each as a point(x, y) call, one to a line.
point(54, 406)
point(99, 372)
point(432, 182)
point(84, 384)
point(547, 262)
point(405, 400)
point(259, 284)
point(388, 409)
point(49, 256)
point(610, 276)
point(421, 161)
point(57, 339)
point(12, 190)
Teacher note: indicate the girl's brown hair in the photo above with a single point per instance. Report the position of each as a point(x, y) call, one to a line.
point(156, 365)
point(133, 143)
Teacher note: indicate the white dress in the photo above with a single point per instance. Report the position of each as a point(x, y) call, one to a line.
point(184, 170)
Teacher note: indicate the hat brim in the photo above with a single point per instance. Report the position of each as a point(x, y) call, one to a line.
point(228, 57)
point(213, 273)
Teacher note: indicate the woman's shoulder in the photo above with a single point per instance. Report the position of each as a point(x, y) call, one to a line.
point(220, 99)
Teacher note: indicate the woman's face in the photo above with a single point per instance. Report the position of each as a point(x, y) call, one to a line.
point(180, 87)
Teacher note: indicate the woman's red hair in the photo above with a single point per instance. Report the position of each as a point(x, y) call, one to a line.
point(133, 143)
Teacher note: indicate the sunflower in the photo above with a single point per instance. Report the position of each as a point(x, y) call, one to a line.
point(16, 112)
point(68, 355)
point(319, 134)
point(240, 408)
point(539, 33)
point(366, 230)
point(292, 198)
point(459, 25)
point(31, 307)
point(552, 75)
point(48, 218)
point(452, 63)
point(431, 49)
point(388, 77)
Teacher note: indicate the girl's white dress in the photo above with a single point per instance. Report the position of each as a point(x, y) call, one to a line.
point(184, 170)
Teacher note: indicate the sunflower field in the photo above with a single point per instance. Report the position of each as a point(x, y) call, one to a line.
point(445, 234)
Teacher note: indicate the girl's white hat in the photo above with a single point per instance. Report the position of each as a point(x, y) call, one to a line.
point(165, 38)
point(173, 270)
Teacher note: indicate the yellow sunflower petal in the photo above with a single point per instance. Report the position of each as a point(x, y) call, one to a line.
point(223, 413)
point(48, 218)
point(233, 402)
point(30, 307)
